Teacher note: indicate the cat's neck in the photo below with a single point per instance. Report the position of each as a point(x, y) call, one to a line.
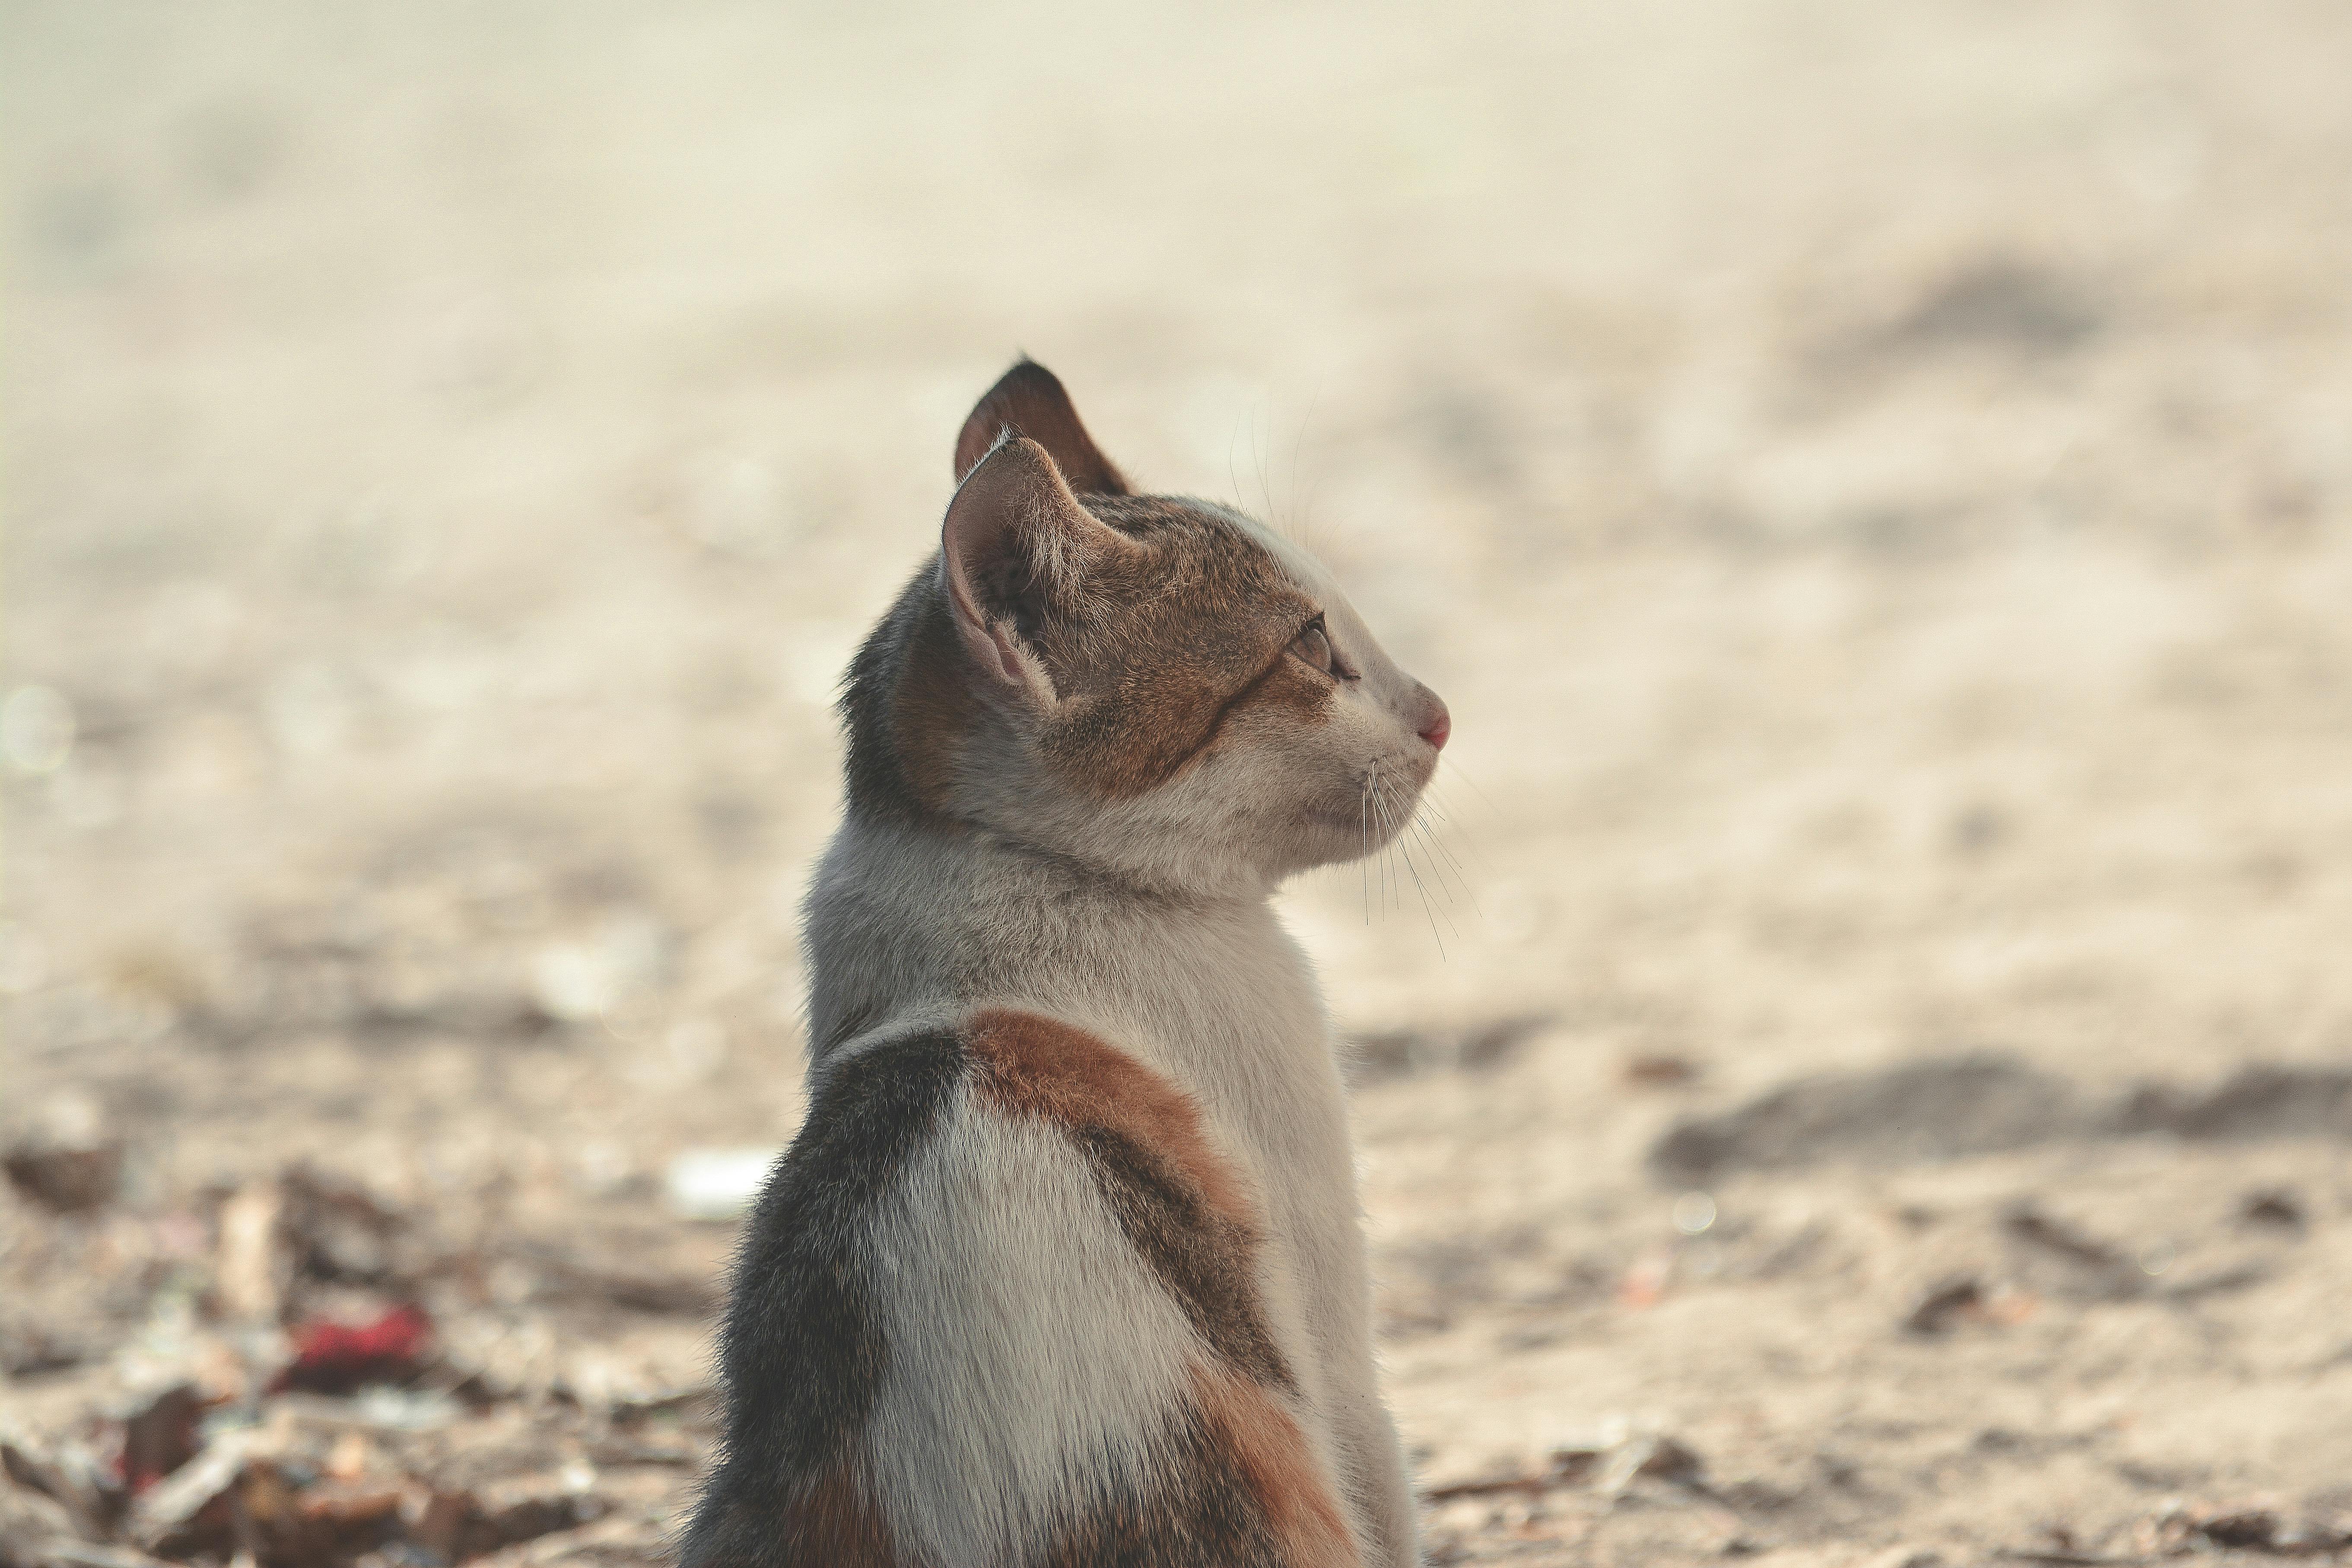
point(911, 921)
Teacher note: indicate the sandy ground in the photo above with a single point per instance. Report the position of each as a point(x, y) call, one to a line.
point(1872, 1079)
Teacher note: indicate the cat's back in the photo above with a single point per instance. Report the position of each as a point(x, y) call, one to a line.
point(1005, 1249)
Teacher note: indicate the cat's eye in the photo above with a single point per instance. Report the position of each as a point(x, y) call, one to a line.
point(1313, 646)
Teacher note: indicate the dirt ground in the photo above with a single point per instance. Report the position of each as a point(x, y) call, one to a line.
point(1871, 1081)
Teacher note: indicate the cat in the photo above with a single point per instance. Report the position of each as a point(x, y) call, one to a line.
point(1066, 1266)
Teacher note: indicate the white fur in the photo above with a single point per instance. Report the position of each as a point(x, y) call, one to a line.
point(1029, 1357)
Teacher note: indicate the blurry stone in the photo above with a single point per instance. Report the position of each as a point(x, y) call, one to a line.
point(160, 976)
point(29, 1523)
point(1398, 1053)
point(67, 1162)
point(1906, 1115)
point(251, 1268)
point(337, 1232)
point(190, 1509)
point(341, 1518)
point(2182, 1529)
point(2001, 301)
point(2263, 1100)
point(347, 1460)
point(247, 1503)
point(1566, 1464)
point(461, 1524)
point(1976, 829)
point(79, 1503)
point(1906, 1557)
point(1650, 1457)
point(160, 1435)
point(577, 981)
point(29, 1350)
point(377, 1407)
point(1657, 1070)
point(674, 1401)
point(1942, 1305)
point(2104, 1269)
point(718, 1184)
point(2277, 1208)
point(616, 1284)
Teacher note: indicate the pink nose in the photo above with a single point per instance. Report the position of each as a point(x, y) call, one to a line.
point(1440, 725)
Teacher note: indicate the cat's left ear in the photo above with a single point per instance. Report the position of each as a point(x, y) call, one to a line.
point(1016, 549)
point(1029, 401)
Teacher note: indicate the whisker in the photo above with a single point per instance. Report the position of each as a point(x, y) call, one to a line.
point(1392, 886)
point(1436, 804)
point(1257, 448)
point(1306, 533)
point(1485, 799)
point(1422, 889)
point(1232, 474)
point(1440, 857)
point(1436, 842)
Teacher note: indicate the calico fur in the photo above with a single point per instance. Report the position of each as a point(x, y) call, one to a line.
point(1065, 1266)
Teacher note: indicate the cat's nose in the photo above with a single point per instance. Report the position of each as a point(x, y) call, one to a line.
point(1436, 724)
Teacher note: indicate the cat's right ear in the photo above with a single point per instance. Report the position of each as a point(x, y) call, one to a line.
point(1029, 401)
point(1016, 548)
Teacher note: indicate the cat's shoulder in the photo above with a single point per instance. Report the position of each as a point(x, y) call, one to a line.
point(878, 1088)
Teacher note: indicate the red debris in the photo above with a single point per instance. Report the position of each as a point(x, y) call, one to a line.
point(332, 1357)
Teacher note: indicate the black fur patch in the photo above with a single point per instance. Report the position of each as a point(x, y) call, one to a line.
point(801, 1355)
point(879, 787)
point(1203, 1258)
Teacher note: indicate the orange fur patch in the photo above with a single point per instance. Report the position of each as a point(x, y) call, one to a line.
point(1272, 1456)
point(1043, 1067)
point(1179, 1206)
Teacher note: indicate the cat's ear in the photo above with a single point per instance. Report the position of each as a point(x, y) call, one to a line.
point(1016, 548)
point(1029, 401)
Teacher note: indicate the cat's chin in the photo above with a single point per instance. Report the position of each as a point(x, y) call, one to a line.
point(1334, 837)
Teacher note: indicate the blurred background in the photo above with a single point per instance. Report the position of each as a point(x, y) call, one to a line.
point(1861, 1070)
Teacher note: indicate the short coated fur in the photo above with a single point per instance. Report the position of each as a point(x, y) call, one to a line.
point(1064, 1267)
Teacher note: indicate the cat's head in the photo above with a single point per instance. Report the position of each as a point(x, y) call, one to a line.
point(1152, 685)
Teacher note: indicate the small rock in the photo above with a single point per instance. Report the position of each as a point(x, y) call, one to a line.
point(1944, 1304)
point(67, 1178)
point(718, 1184)
point(462, 1524)
point(1906, 1557)
point(160, 1435)
point(1657, 1070)
point(1404, 1053)
point(2277, 1208)
point(1650, 1457)
point(250, 1270)
point(189, 1508)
